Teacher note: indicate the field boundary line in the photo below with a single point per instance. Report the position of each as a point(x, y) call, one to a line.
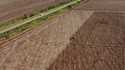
point(43, 14)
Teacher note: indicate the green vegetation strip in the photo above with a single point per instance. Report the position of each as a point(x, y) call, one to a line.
point(38, 16)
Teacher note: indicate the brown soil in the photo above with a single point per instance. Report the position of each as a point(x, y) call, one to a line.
point(38, 48)
point(16, 8)
point(97, 45)
point(102, 5)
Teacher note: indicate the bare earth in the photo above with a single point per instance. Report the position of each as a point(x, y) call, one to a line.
point(102, 5)
point(37, 49)
point(76, 40)
point(13, 9)
point(98, 45)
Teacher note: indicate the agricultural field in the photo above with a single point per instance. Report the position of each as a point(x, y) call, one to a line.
point(46, 42)
point(88, 36)
point(102, 5)
point(13, 27)
point(16, 8)
point(99, 44)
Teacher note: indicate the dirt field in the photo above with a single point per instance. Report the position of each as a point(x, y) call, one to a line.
point(4, 2)
point(75, 40)
point(102, 5)
point(37, 49)
point(16, 8)
point(98, 45)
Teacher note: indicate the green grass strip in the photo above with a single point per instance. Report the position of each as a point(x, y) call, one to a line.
point(43, 14)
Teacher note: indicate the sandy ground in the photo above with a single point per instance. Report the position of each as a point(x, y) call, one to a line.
point(37, 49)
point(16, 8)
point(98, 45)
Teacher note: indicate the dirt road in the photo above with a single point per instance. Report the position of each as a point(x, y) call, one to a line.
point(37, 49)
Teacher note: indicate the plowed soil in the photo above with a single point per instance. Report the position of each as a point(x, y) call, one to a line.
point(75, 40)
point(98, 45)
point(17, 8)
point(38, 48)
point(102, 5)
